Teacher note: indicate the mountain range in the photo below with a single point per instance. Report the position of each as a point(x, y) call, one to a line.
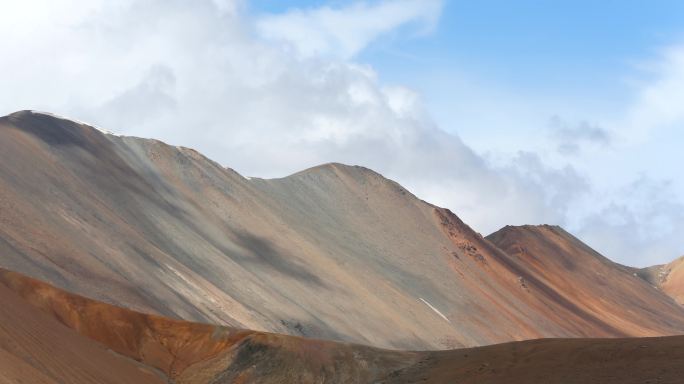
point(159, 260)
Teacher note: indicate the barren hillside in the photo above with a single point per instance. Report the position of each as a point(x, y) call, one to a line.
point(579, 274)
point(36, 348)
point(334, 252)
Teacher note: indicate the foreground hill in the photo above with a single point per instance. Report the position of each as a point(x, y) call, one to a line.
point(36, 348)
point(334, 252)
point(66, 338)
point(554, 361)
point(51, 336)
point(669, 278)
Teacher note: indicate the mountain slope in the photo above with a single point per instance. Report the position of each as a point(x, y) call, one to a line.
point(576, 272)
point(66, 338)
point(333, 252)
point(669, 278)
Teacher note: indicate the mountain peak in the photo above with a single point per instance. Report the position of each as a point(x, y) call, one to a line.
point(530, 228)
point(339, 168)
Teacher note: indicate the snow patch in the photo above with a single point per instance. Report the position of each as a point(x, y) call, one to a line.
point(106, 132)
point(435, 309)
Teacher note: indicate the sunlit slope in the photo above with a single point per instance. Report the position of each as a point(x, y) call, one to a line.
point(599, 287)
point(36, 348)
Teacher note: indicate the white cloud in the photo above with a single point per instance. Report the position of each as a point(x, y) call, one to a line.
point(346, 31)
point(643, 223)
point(658, 104)
point(570, 138)
point(640, 222)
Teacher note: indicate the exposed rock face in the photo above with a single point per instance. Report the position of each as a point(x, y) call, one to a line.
point(333, 252)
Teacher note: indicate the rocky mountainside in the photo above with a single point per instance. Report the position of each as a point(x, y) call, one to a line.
point(334, 252)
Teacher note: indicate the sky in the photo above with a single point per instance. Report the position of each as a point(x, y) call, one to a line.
point(507, 112)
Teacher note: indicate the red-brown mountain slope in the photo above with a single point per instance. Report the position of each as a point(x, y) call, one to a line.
point(36, 348)
point(579, 274)
point(51, 336)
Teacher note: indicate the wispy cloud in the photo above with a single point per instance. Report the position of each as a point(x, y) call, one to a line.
point(658, 102)
point(346, 31)
point(644, 222)
point(570, 138)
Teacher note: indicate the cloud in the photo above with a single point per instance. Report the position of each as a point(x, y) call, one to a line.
point(657, 105)
point(643, 223)
point(570, 139)
point(152, 96)
point(346, 31)
point(640, 221)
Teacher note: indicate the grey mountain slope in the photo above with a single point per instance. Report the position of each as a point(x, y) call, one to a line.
point(334, 252)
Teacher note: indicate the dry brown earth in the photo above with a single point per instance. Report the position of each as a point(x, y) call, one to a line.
point(50, 336)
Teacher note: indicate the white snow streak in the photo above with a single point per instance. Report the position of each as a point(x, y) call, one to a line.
point(106, 132)
point(435, 309)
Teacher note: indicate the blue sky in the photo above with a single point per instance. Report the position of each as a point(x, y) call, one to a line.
point(531, 44)
point(507, 112)
point(576, 59)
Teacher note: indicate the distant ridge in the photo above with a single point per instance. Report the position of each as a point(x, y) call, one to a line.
point(668, 277)
point(582, 275)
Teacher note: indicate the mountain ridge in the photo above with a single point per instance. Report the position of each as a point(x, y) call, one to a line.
point(580, 273)
point(336, 252)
